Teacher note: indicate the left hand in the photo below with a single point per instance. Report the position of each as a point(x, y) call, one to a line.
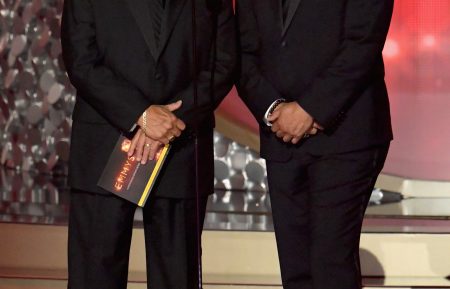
point(143, 147)
point(290, 122)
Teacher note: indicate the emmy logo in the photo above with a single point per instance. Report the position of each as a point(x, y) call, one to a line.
point(126, 145)
point(126, 167)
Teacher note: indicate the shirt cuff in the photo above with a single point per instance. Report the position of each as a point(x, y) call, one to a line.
point(268, 111)
point(134, 127)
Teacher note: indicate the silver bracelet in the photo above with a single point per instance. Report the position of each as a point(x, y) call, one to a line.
point(275, 104)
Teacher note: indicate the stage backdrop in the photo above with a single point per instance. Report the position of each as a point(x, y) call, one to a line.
point(36, 98)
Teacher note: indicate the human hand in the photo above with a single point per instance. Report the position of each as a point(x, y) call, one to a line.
point(291, 122)
point(143, 148)
point(312, 131)
point(161, 124)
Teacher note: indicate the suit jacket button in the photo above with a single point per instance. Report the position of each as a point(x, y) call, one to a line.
point(158, 76)
point(283, 44)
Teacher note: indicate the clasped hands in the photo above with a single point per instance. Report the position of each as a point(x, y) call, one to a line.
point(291, 122)
point(158, 127)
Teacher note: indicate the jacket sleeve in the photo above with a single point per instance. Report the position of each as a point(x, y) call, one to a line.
point(366, 26)
point(254, 89)
point(114, 98)
point(225, 64)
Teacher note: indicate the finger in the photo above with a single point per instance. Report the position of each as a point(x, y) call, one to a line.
point(163, 140)
point(287, 138)
point(158, 152)
point(174, 133)
point(301, 130)
point(313, 131)
point(134, 143)
point(153, 150)
point(140, 148)
point(318, 126)
point(167, 124)
point(160, 135)
point(174, 106)
point(180, 124)
point(296, 139)
point(146, 151)
point(280, 134)
point(275, 127)
point(171, 123)
point(170, 137)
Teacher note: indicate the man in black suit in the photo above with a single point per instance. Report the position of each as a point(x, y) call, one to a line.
point(132, 64)
point(312, 74)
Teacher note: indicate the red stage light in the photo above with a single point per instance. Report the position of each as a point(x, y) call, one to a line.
point(429, 41)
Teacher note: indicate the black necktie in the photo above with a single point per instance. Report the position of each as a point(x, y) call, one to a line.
point(285, 9)
point(156, 11)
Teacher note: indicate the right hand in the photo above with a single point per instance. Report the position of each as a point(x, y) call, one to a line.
point(162, 124)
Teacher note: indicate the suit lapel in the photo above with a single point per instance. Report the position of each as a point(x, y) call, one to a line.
point(292, 9)
point(173, 10)
point(139, 9)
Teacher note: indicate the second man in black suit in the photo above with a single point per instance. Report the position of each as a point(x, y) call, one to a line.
point(312, 74)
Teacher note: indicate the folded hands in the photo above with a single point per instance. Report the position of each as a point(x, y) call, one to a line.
point(157, 126)
point(292, 123)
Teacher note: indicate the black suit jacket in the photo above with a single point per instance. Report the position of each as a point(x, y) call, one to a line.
point(327, 56)
point(111, 58)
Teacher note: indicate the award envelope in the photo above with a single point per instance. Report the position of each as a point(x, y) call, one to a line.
point(128, 178)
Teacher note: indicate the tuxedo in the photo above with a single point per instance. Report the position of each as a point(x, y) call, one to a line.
point(119, 70)
point(123, 56)
point(326, 55)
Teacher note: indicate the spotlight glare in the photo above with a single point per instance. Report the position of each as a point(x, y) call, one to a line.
point(429, 41)
point(391, 49)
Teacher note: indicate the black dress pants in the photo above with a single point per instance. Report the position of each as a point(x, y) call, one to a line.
point(100, 229)
point(318, 204)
